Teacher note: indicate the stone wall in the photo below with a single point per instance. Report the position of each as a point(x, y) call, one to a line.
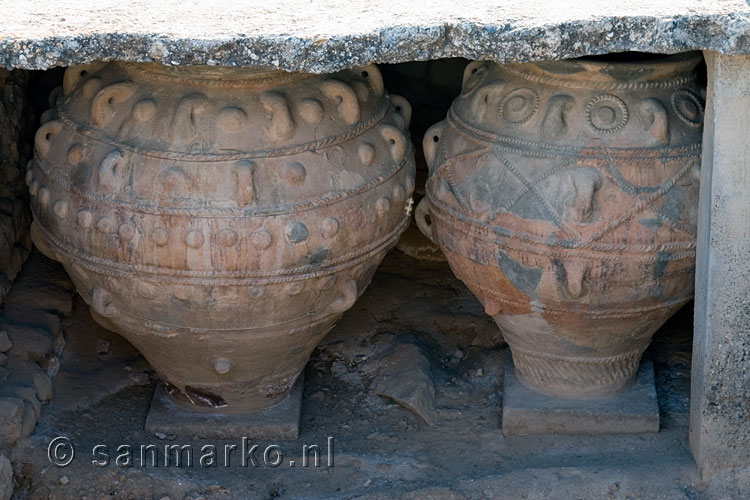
point(31, 335)
point(15, 217)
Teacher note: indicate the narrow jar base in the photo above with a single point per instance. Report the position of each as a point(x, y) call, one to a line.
point(576, 377)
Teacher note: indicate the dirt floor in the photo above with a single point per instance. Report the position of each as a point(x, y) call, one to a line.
point(380, 448)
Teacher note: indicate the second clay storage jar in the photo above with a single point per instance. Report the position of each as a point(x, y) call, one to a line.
point(564, 194)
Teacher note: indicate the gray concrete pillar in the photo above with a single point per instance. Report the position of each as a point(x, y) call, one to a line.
point(720, 392)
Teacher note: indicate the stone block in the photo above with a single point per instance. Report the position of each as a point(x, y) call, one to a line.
point(406, 378)
point(6, 478)
point(43, 287)
point(28, 374)
point(720, 379)
point(26, 394)
point(278, 422)
point(526, 412)
point(336, 35)
point(29, 343)
point(11, 419)
point(5, 343)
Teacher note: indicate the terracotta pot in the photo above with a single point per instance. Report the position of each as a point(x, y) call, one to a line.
point(221, 219)
point(564, 194)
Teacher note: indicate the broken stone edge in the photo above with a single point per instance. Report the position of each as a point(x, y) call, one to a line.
point(501, 40)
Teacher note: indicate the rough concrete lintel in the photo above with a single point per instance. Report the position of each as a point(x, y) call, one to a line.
point(336, 34)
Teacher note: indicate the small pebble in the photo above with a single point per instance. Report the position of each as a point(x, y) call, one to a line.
point(103, 346)
point(459, 353)
point(318, 395)
point(52, 366)
point(160, 435)
point(480, 372)
point(140, 378)
point(64, 480)
point(367, 483)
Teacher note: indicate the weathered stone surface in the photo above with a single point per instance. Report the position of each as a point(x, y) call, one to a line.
point(32, 405)
point(328, 35)
point(50, 365)
point(11, 416)
point(720, 380)
point(28, 374)
point(30, 417)
point(277, 422)
point(5, 343)
point(6, 478)
point(29, 343)
point(41, 290)
point(405, 378)
point(15, 119)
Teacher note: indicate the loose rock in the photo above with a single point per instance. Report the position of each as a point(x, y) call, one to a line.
point(11, 416)
point(28, 374)
point(406, 378)
point(5, 343)
point(29, 342)
point(6, 478)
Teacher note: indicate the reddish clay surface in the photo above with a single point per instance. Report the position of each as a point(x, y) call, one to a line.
point(221, 219)
point(564, 194)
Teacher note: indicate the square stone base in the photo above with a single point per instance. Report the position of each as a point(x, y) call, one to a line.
point(526, 412)
point(278, 422)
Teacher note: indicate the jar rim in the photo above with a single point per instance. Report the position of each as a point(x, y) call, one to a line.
point(596, 71)
point(211, 74)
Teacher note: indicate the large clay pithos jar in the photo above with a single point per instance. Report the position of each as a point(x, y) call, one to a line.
point(564, 194)
point(221, 219)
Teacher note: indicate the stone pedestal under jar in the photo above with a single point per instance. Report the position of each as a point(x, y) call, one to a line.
point(221, 219)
